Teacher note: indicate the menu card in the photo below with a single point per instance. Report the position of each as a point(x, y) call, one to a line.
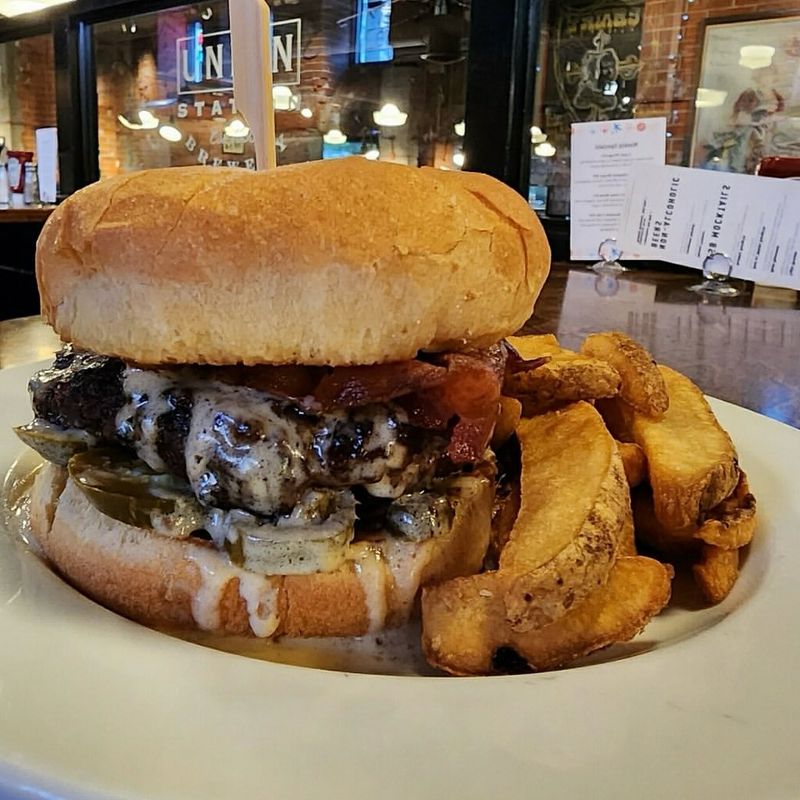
point(683, 215)
point(604, 156)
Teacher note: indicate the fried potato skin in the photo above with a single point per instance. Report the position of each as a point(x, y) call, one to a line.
point(575, 508)
point(508, 418)
point(566, 378)
point(716, 572)
point(732, 523)
point(634, 462)
point(464, 625)
point(691, 461)
point(642, 384)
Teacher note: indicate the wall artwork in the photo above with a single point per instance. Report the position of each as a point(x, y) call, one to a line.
point(594, 61)
point(747, 105)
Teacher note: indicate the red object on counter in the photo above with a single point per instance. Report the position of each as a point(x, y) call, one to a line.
point(17, 159)
point(779, 167)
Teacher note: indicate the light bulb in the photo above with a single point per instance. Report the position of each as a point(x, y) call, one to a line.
point(236, 129)
point(537, 137)
point(334, 136)
point(170, 133)
point(283, 99)
point(148, 119)
point(709, 98)
point(544, 150)
point(390, 116)
point(306, 112)
point(756, 56)
point(460, 128)
point(459, 159)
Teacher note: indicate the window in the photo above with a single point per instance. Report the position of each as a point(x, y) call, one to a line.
point(27, 90)
point(366, 77)
point(726, 76)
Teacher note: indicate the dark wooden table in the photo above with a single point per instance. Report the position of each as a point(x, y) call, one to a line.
point(745, 350)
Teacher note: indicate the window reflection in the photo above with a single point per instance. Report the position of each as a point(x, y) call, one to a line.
point(381, 79)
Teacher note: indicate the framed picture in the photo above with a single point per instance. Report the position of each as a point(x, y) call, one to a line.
point(747, 104)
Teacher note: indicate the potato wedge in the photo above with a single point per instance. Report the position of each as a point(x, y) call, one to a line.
point(732, 523)
point(670, 543)
point(506, 509)
point(575, 504)
point(566, 378)
point(507, 420)
point(634, 462)
point(691, 461)
point(464, 626)
point(560, 381)
point(716, 572)
point(535, 346)
point(642, 385)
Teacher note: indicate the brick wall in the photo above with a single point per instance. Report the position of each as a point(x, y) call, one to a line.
point(672, 44)
point(29, 100)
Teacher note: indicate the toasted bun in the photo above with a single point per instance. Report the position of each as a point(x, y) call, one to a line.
point(166, 582)
point(334, 262)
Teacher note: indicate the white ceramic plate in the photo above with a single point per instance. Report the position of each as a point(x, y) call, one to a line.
point(705, 704)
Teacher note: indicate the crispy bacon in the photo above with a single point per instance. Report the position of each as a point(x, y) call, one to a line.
point(350, 387)
point(459, 392)
point(470, 395)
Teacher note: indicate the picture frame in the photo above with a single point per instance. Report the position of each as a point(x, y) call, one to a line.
point(747, 104)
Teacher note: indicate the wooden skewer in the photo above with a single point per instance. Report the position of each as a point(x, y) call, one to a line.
point(251, 47)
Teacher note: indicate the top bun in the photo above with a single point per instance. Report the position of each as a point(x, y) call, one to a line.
point(329, 262)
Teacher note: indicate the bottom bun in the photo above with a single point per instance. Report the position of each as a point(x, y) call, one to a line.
point(165, 582)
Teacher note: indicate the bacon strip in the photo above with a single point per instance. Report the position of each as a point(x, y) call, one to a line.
point(470, 394)
point(460, 392)
point(350, 387)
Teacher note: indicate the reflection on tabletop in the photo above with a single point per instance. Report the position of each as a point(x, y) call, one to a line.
point(744, 350)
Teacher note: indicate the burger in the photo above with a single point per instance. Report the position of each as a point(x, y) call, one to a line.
point(272, 410)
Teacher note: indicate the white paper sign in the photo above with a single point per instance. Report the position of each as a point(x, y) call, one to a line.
point(604, 155)
point(47, 158)
point(683, 215)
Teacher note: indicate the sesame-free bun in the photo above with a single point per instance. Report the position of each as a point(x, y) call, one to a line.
point(329, 262)
point(166, 582)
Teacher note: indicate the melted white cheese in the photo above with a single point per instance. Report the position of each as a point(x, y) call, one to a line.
point(371, 570)
point(259, 593)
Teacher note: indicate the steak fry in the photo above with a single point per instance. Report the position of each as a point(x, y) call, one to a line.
point(464, 624)
point(691, 461)
point(642, 385)
point(565, 378)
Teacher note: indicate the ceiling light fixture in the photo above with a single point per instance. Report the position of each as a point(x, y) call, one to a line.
point(334, 136)
point(283, 99)
point(709, 98)
point(544, 150)
point(236, 129)
point(170, 133)
point(537, 137)
point(756, 56)
point(390, 116)
point(15, 8)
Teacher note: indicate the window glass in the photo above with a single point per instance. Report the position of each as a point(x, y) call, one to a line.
point(375, 78)
point(27, 90)
point(724, 73)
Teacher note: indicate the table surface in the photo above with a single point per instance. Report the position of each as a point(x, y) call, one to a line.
point(745, 350)
point(33, 214)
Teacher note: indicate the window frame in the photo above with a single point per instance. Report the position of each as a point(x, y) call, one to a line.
point(500, 82)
